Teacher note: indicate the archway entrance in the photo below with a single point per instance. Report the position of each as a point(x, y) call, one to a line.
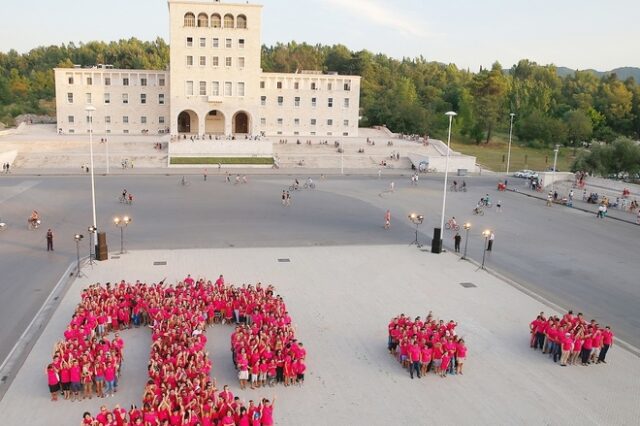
point(187, 122)
point(241, 122)
point(214, 123)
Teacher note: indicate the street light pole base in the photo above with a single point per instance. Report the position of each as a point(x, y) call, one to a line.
point(436, 242)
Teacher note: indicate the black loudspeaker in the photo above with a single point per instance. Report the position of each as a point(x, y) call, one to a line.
point(102, 252)
point(436, 243)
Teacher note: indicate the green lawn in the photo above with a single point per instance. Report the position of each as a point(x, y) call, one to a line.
point(223, 160)
point(494, 155)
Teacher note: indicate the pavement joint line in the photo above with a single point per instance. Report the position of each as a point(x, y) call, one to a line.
point(623, 344)
point(17, 356)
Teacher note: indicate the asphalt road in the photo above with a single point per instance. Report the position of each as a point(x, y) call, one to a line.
point(564, 255)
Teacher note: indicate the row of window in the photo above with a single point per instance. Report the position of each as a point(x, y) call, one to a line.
point(124, 98)
point(215, 42)
point(125, 81)
point(296, 102)
point(215, 61)
point(312, 85)
point(200, 88)
point(296, 122)
point(125, 119)
point(216, 20)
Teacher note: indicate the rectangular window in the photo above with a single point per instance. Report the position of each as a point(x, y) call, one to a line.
point(203, 42)
point(280, 121)
point(203, 61)
point(88, 97)
point(313, 102)
point(203, 88)
point(330, 102)
point(107, 81)
point(161, 99)
point(89, 81)
point(313, 86)
point(88, 120)
point(189, 41)
point(215, 88)
point(71, 119)
point(214, 61)
point(107, 119)
point(280, 100)
point(143, 120)
point(125, 81)
point(161, 82)
point(241, 43)
point(125, 98)
point(227, 43)
point(296, 101)
point(329, 122)
point(107, 98)
point(313, 133)
point(143, 98)
point(215, 42)
point(189, 88)
point(346, 103)
point(313, 121)
point(346, 123)
point(125, 119)
point(161, 119)
point(263, 100)
point(228, 61)
point(70, 97)
point(241, 89)
point(70, 80)
point(347, 85)
point(279, 85)
point(125, 131)
point(329, 86)
point(189, 60)
point(345, 133)
point(296, 121)
point(262, 85)
point(241, 62)
point(228, 88)
point(143, 81)
point(263, 121)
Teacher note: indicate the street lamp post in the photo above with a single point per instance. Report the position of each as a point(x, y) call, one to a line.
point(122, 222)
point(92, 230)
point(438, 245)
point(555, 161)
point(509, 150)
point(78, 238)
point(417, 220)
point(466, 227)
point(90, 109)
point(485, 234)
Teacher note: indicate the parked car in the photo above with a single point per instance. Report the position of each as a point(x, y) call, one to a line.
point(525, 174)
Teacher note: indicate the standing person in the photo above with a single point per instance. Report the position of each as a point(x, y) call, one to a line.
point(204, 175)
point(607, 342)
point(49, 240)
point(53, 379)
point(499, 206)
point(288, 199)
point(284, 197)
point(392, 185)
point(491, 238)
point(379, 173)
point(387, 219)
point(457, 238)
point(549, 199)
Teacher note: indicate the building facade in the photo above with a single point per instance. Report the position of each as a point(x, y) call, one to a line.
point(214, 86)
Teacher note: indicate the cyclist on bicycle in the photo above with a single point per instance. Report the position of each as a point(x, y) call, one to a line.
point(452, 222)
point(455, 185)
point(464, 185)
point(486, 200)
point(309, 181)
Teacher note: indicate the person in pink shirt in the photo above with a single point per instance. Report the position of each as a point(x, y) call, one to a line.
point(566, 348)
point(607, 342)
point(444, 364)
point(414, 358)
point(461, 355)
point(267, 412)
point(54, 381)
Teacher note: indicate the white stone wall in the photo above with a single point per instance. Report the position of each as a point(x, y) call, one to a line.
point(106, 90)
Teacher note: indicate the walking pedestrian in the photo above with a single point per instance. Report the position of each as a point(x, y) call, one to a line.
point(499, 206)
point(379, 173)
point(205, 175)
point(288, 199)
point(491, 238)
point(456, 239)
point(49, 240)
point(284, 198)
point(387, 219)
point(392, 185)
point(549, 199)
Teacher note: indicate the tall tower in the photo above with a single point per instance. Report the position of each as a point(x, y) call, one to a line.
point(215, 67)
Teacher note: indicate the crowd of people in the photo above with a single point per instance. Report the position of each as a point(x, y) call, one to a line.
point(571, 339)
point(179, 390)
point(422, 346)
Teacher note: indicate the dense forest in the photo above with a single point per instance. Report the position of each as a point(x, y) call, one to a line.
point(408, 95)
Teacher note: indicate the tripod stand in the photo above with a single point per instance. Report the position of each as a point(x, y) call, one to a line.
point(417, 220)
point(78, 238)
point(92, 247)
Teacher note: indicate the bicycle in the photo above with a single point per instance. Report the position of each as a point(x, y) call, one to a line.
point(309, 185)
point(478, 211)
point(124, 199)
point(453, 188)
point(450, 225)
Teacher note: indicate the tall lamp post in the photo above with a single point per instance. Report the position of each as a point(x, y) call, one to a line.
point(78, 238)
point(485, 234)
point(92, 230)
point(90, 109)
point(555, 161)
point(122, 222)
point(466, 227)
point(436, 246)
point(417, 220)
point(509, 150)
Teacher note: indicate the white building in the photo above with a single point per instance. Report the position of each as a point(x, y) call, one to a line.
point(215, 85)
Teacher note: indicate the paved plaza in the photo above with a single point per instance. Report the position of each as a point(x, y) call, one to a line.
point(341, 299)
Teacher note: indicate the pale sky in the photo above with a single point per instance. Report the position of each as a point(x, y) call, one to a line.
point(574, 33)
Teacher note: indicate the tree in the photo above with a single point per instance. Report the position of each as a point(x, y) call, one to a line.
point(579, 127)
point(489, 89)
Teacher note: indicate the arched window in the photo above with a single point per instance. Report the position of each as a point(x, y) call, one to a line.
point(189, 19)
point(216, 21)
point(203, 20)
point(241, 21)
point(228, 21)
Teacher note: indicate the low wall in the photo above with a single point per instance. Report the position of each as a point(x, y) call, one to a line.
point(237, 148)
point(547, 178)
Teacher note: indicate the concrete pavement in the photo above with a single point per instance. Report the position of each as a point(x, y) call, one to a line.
point(341, 299)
